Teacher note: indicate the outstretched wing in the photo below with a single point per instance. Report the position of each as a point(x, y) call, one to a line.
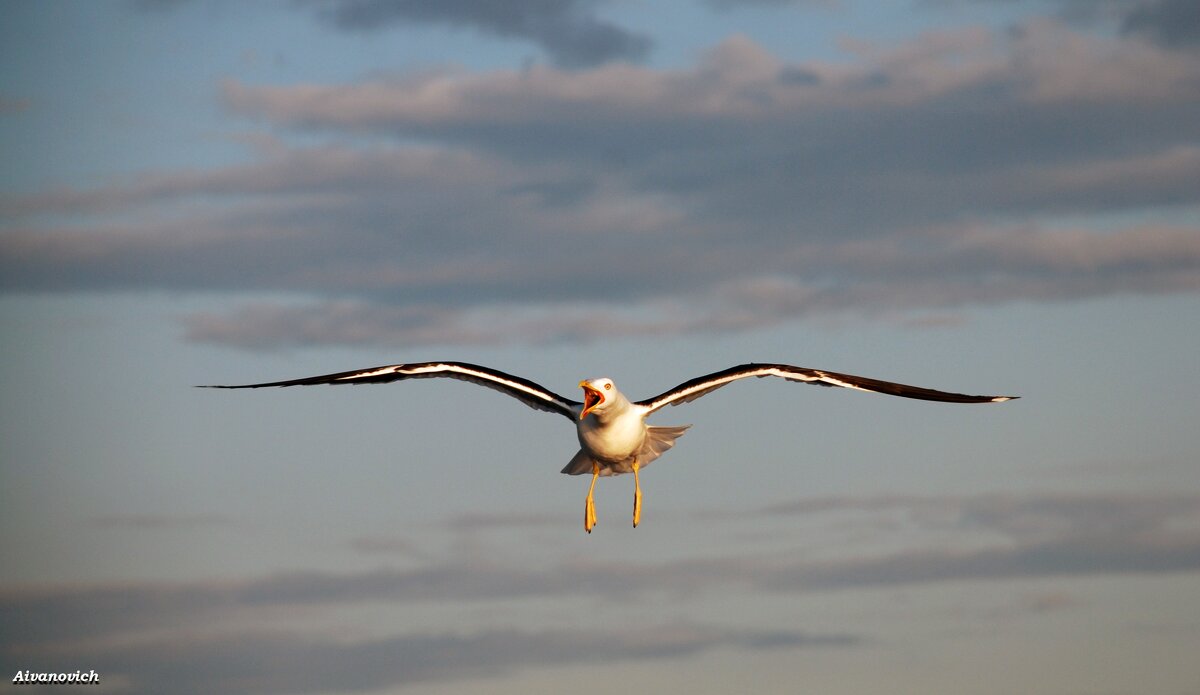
point(526, 391)
point(695, 388)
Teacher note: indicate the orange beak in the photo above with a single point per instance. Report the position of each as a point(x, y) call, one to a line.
point(591, 398)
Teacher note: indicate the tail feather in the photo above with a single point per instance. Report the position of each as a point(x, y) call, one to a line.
point(658, 441)
point(580, 464)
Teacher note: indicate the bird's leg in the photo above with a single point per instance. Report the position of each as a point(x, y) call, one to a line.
point(589, 507)
point(637, 495)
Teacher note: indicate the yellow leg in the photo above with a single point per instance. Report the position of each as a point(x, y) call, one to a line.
point(637, 495)
point(589, 507)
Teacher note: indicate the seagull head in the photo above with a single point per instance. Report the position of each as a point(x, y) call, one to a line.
point(597, 394)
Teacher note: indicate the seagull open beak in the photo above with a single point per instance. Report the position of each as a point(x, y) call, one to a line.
point(592, 397)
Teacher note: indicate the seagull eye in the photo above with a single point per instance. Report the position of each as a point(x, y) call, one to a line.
point(607, 387)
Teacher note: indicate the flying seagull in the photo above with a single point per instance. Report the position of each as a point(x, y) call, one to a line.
point(613, 435)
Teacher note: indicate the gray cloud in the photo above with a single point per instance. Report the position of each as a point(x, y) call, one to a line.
point(274, 662)
point(135, 633)
point(50, 616)
point(879, 278)
point(1171, 22)
point(936, 106)
point(1047, 536)
point(1030, 536)
point(1072, 558)
point(553, 206)
point(1024, 519)
point(568, 30)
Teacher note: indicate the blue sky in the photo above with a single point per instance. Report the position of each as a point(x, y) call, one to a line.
point(972, 195)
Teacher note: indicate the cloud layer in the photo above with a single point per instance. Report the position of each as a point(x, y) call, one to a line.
point(266, 662)
point(955, 169)
point(138, 633)
point(568, 30)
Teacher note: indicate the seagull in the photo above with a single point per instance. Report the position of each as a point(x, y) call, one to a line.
point(614, 438)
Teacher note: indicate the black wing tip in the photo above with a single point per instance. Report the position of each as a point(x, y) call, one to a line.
point(238, 386)
point(945, 397)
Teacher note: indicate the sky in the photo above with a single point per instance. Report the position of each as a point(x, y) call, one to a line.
point(980, 196)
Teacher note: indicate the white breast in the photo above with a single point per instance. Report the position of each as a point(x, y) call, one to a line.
point(613, 439)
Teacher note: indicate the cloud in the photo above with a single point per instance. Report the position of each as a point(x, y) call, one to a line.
point(545, 205)
point(193, 636)
point(1010, 536)
point(1171, 22)
point(1033, 536)
point(263, 662)
point(876, 279)
point(72, 614)
point(568, 30)
point(738, 86)
point(1041, 560)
